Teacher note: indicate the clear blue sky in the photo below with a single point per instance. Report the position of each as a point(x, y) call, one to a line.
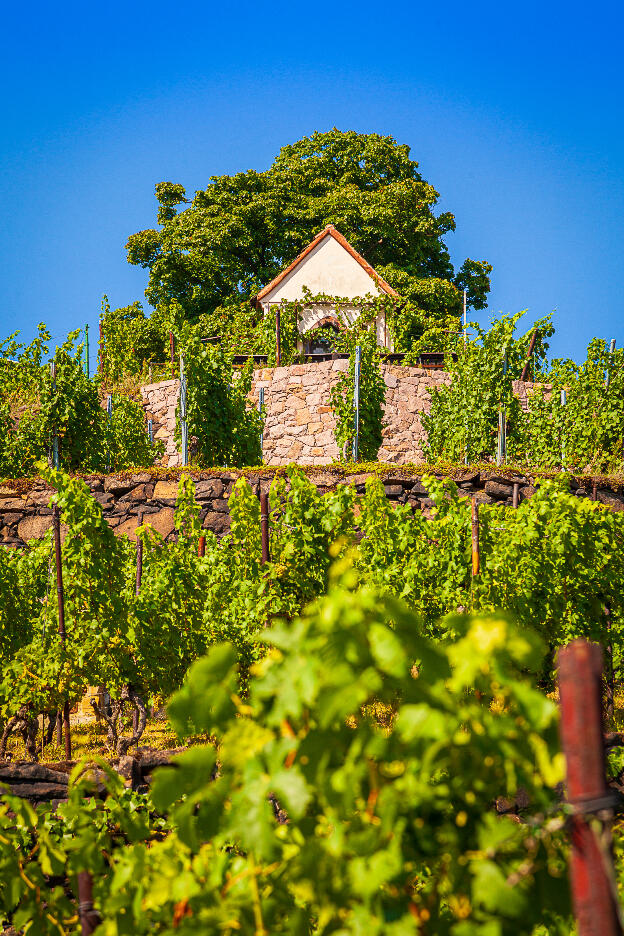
point(514, 112)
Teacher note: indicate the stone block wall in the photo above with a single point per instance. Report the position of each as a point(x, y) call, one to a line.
point(25, 515)
point(299, 425)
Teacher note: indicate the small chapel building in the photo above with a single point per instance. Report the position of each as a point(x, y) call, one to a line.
point(330, 267)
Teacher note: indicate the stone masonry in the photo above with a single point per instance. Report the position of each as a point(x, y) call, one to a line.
point(299, 425)
point(25, 514)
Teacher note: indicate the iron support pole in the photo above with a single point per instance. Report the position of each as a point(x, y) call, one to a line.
point(278, 340)
point(183, 422)
point(356, 402)
point(516, 491)
point(56, 522)
point(591, 863)
point(264, 524)
point(139, 559)
point(55, 445)
point(101, 350)
point(87, 351)
point(89, 917)
point(260, 409)
point(201, 546)
point(172, 353)
point(475, 537)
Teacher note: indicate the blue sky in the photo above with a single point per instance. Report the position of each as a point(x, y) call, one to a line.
point(514, 112)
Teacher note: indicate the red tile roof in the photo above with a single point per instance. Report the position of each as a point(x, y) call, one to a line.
point(330, 231)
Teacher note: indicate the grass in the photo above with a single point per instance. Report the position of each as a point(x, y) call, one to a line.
point(89, 740)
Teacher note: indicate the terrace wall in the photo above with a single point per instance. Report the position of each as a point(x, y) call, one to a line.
point(25, 514)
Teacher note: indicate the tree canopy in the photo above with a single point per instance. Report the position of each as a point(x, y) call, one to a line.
point(224, 244)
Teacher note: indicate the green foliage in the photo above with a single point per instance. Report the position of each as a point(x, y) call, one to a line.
point(226, 428)
point(130, 339)
point(126, 443)
point(587, 433)
point(385, 719)
point(372, 395)
point(464, 414)
point(388, 830)
point(35, 406)
point(236, 235)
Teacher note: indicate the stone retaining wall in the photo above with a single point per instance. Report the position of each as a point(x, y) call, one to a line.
point(24, 514)
point(299, 425)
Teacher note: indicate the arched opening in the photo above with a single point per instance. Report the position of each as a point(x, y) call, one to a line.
point(321, 339)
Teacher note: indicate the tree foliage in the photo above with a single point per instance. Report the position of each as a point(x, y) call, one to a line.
point(232, 238)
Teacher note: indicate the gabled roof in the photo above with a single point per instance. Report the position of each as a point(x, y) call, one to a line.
point(329, 231)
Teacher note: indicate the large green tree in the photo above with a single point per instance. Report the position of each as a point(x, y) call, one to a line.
point(232, 238)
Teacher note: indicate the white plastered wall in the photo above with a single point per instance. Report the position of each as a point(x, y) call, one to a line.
point(331, 270)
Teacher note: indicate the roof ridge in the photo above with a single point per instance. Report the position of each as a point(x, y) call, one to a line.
point(331, 231)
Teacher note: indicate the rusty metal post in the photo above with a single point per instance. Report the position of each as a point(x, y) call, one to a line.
point(475, 537)
point(278, 340)
point(201, 546)
point(525, 369)
point(89, 917)
point(516, 491)
point(139, 559)
point(264, 524)
point(591, 865)
point(56, 522)
point(172, 353)
point(610, 674)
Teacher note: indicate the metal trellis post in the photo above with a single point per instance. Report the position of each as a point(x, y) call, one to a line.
point(611, 351)
point(356, 401)
point(183, 423)
point(594, 893)
point(55, 445)
point(278, 339)
point(501, 449)
point(87, 350)
point(564, 400)
point(109, 411)
point(474, 518)
point(56, 523)
point(260, 408)
point(150, 431)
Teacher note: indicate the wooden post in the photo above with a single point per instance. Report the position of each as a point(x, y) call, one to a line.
point(278, 340)
point(525, 369)
point(89, 917)
point(516, 491)
point(475, 537)
point(56, 522)
point(591, 864)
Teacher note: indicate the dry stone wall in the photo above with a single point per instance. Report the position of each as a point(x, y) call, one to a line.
point(299, 425)
point(25, 515)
